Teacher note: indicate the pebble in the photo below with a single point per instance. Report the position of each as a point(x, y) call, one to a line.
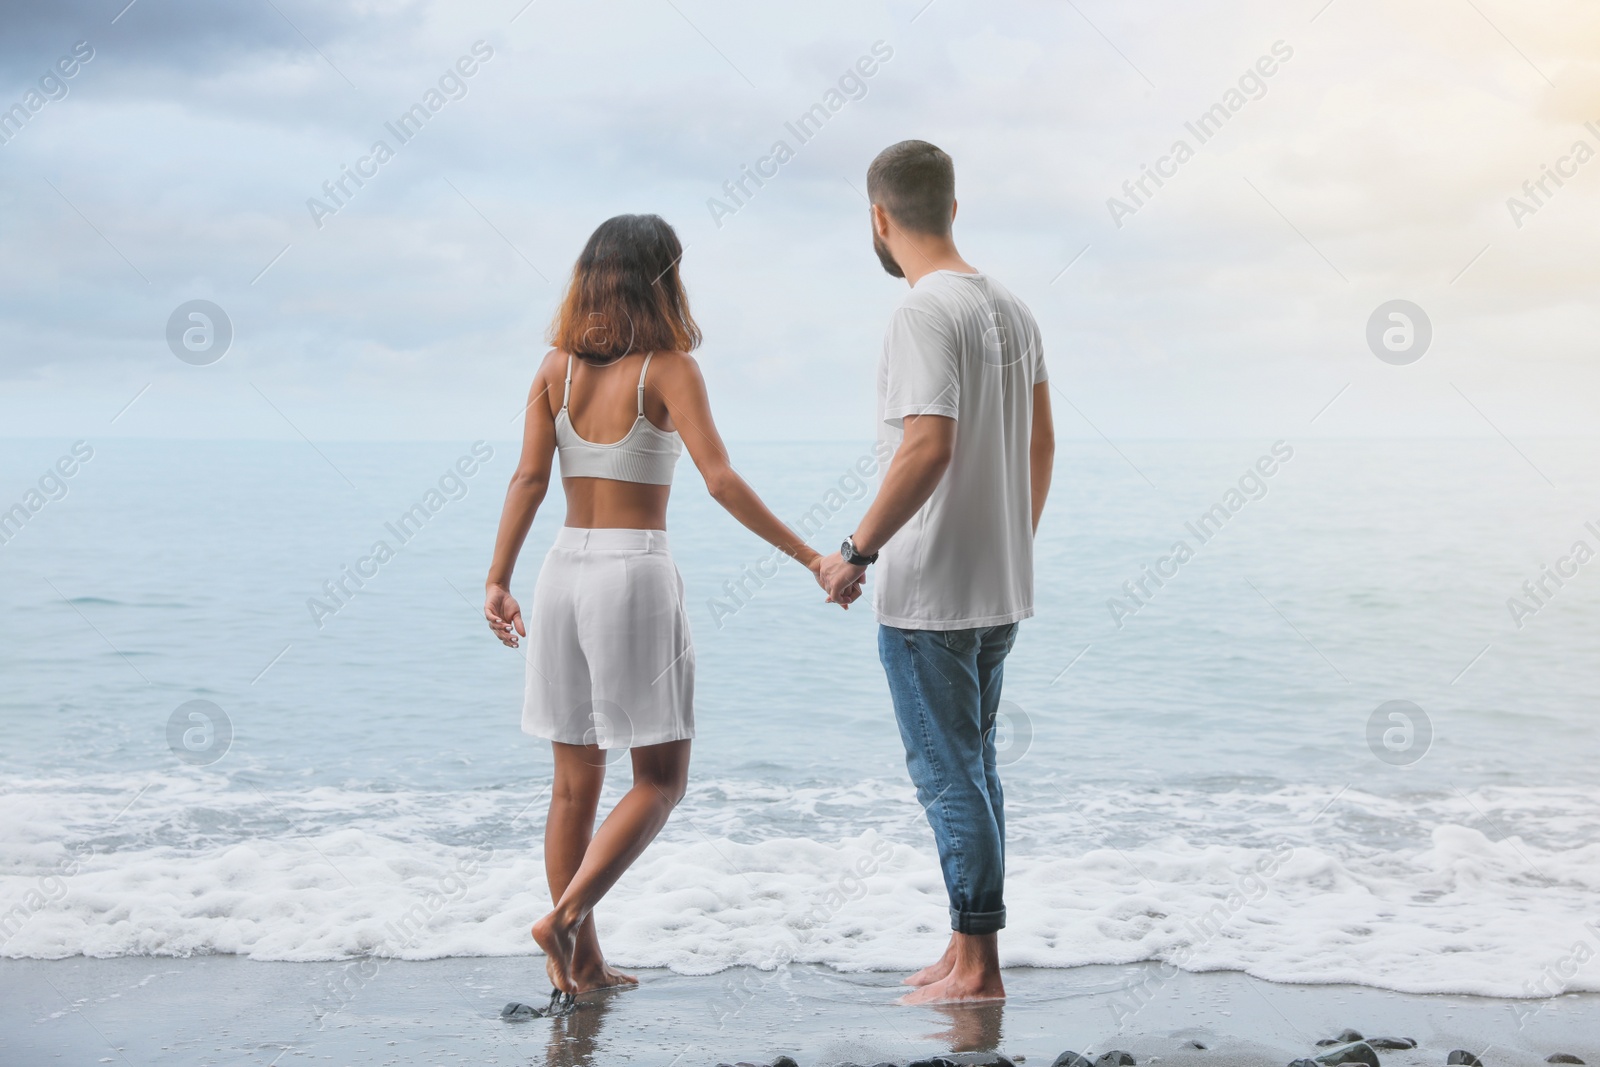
point(1562, 1057)
point(1071, 1059)
point(518, 1010)
point(1392, 1042)
point(1360, 1052)
point(1346, 1037)
point(1464, 1058)
point(1116, 1058)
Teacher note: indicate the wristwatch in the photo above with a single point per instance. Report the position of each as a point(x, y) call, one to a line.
point(854, 558)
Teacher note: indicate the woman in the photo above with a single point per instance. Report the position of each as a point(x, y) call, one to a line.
point(610, 661)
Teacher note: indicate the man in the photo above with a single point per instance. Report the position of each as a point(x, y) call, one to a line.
point(963, 397)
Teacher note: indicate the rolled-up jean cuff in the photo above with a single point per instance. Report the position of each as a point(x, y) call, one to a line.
point(977, 922)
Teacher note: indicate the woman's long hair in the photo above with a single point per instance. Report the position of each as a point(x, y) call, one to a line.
point(626, 294)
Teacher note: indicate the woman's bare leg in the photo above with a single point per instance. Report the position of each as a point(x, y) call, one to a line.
point(660, 776)
point(574, 799)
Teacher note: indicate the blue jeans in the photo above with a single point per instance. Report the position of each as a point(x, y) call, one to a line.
point(946, 690)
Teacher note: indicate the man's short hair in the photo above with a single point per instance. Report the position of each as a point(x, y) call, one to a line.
point(915, 182)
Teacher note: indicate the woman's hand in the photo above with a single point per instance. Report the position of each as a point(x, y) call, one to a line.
point(504, 615)
point(814, 565)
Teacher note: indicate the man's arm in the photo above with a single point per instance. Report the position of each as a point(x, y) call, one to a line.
point(914, 473)
point(1041, 450)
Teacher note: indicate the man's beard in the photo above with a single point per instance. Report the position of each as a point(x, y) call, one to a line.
point(885, 258)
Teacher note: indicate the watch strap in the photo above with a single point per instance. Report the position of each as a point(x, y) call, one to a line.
point(854, 558)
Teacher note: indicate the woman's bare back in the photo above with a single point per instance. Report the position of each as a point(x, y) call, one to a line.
point(602, 409)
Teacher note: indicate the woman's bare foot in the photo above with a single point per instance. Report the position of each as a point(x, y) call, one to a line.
point(597, 975)
point(556, 938)
point(937, 970)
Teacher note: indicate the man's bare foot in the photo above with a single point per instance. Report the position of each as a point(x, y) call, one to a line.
point(937, 970)
point(958, 987)
point(558, 942)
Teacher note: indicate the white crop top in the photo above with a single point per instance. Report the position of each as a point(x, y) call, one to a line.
point(646, 452)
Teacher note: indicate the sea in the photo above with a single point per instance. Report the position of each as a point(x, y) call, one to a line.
point(1320, 711)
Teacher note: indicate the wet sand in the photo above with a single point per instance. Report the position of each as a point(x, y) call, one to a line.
point(227, 1010)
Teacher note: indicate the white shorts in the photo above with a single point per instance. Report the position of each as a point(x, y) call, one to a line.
point(610, 658)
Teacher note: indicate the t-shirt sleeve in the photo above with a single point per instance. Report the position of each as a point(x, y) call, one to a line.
point(921, 367)
point(1040, 375)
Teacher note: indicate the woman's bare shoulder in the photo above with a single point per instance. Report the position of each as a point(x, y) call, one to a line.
point(679, 365)
point(548, 376)
point(552, 366)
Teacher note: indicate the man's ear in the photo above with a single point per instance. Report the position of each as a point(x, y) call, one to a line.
point(880, 221)
point(954, 204)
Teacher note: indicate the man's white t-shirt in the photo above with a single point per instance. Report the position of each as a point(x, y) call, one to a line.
point(962, 346)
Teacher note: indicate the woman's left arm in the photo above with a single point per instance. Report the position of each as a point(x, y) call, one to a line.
point(684, 390)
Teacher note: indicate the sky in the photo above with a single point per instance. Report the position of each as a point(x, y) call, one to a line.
point(1357, 154)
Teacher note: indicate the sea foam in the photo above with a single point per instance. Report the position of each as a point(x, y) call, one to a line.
point(329, 874)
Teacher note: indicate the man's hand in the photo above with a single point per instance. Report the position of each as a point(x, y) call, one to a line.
point(842, 581)
point(816, 565)
point(504, 615)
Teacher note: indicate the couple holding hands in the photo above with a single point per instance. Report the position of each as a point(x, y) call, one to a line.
point(962, 398)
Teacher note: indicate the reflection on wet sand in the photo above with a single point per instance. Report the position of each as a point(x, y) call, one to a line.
point(575, 1029)
point(974, 1027)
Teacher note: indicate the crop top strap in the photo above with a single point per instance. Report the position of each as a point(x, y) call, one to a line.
point(566, 390)
point(642, 371)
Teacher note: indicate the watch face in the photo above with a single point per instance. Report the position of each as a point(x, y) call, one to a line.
point(848, 551)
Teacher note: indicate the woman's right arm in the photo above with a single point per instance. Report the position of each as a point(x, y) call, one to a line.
point(523, 497)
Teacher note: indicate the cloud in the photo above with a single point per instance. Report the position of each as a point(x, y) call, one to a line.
point(186, 37)
point(1376, 164)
